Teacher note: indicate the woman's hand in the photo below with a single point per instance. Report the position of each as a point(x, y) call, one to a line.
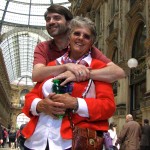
point(50, 107)
point(68, 101)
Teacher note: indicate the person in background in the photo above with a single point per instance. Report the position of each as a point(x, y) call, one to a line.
point(88, 101)
point(130, 135)
point(145, 138)
point(57, 24)
point(12, 138)
point(17, 137)
point(5, 136)
point(1, 133)
point(21, 138)
point(113, 135)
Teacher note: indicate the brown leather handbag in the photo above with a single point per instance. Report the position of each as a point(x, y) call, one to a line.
point(85, 138)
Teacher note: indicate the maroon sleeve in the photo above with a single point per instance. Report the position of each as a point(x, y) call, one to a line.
point(97, 54)
point(41, 54)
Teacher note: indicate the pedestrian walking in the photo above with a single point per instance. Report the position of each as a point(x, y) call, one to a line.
point(145, 138)
point(130, 135)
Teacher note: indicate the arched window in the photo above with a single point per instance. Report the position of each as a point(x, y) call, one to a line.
point(138, 74)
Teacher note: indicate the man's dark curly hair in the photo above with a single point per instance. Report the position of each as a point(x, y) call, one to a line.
point(60, 10)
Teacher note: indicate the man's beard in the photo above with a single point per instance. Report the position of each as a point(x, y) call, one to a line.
point(61, 30)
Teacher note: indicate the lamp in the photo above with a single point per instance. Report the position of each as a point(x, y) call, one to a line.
point(132, 63)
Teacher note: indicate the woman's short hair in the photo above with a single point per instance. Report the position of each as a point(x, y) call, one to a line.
point(60, 10)
point(80, 21)
point(111, 125)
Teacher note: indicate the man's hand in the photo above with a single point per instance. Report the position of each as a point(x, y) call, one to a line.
point(81, 72)
point(75, 72)
point(50, 107)
point(68, 76)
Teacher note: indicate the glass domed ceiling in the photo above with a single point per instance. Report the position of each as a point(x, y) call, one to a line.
point(26, 12)
point(19, 20)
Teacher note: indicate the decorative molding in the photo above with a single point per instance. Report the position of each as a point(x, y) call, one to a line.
point(112, 36)
point(112, 42)
point(148, 16)
point(147, 46)
point(139, 73)
point(137, 7)
point(123, 64)
point(145, 104)
point(81, 7)
point(121, 110)
point(147, 95)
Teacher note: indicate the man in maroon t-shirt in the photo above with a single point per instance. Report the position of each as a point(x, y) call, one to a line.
point(57, 24)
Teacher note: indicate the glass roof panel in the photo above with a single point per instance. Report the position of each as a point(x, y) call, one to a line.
point(42, 2)
point(1, 14)
point(16, 18)
point(39, 10)
point(39, 21)
point(24, 1)
point(3, 4)
point(22, 8)
point(59, 1)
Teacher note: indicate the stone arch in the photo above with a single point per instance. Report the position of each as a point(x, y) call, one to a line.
point(16, 30)
point(131, 31)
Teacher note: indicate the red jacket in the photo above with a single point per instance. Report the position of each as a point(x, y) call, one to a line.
point(100, 108)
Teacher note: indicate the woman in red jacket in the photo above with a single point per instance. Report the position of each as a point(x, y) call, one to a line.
point(92, 102)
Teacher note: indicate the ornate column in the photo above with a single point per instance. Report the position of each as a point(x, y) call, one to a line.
point(147, 46)
point(147, 41)
point(145, 105)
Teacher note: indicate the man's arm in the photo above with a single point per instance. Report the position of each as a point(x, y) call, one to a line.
point(109, 74)
point(123, 133)
point(41, 72)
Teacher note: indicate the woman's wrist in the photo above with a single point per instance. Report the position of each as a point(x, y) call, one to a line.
point(76, 106)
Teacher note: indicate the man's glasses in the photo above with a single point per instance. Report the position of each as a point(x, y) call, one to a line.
point(85, 36)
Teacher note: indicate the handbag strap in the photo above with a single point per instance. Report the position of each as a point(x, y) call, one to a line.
point(87, 88)
point(70, 120)
point(83, 96)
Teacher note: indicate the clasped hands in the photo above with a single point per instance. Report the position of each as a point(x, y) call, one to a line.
point(75, 72)
point(56, 104)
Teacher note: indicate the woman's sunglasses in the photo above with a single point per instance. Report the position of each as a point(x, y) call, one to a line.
point(85, 36)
